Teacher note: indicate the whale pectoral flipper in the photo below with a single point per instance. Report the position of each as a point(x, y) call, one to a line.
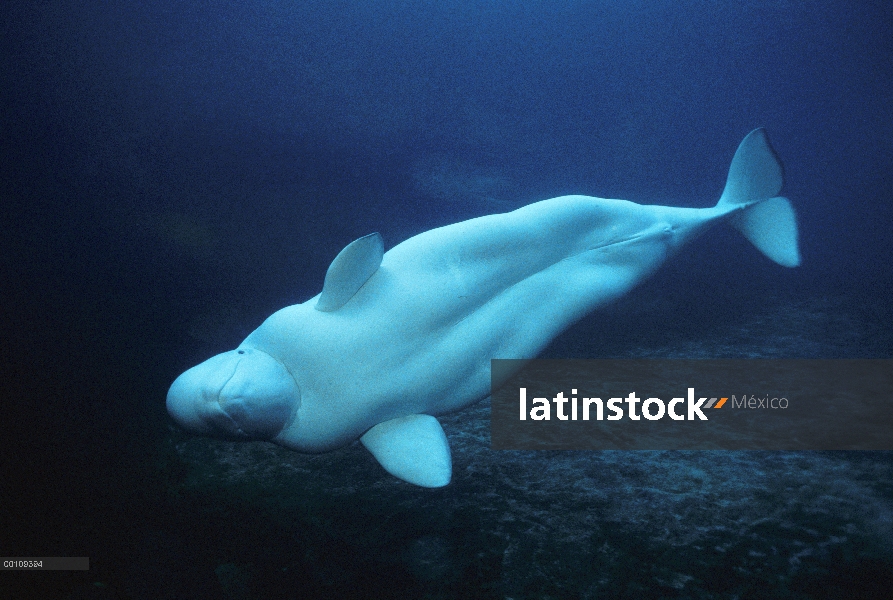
point(413, 448)
point(353, 266)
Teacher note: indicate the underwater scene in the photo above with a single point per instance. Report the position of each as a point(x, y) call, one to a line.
point(647, 180)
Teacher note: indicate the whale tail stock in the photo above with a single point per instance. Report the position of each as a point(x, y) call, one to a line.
point(767, 220)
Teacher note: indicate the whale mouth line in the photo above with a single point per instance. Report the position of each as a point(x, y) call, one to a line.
point(228, 379)
point(220, 401)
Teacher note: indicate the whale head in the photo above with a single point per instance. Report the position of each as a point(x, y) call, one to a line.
point(243, 394)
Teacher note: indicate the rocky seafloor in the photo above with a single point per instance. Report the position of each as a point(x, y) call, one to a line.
point(251, 520)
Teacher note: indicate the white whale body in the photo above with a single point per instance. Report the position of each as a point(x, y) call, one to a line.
point(396, 338)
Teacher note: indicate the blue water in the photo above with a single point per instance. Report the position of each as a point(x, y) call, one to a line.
point(173, 172)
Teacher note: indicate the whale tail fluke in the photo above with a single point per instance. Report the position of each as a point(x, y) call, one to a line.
point(771, 226)
point(766, 219)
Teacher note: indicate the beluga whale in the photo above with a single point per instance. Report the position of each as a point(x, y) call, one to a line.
point(397, 338)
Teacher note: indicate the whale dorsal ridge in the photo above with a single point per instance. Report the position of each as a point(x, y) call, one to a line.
point(413, 448)
point(350, 270)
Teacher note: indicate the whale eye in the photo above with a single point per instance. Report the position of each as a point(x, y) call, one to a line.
point(241, 352)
